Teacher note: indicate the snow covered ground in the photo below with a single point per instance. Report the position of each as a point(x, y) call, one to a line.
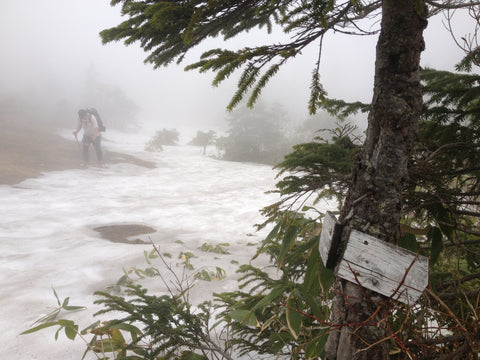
point(47, 235)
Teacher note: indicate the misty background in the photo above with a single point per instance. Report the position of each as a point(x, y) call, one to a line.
point(53, 63)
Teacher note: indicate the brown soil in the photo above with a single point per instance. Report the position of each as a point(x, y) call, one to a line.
point(27, 151)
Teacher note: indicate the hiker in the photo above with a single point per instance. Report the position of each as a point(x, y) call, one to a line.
point(91, 135)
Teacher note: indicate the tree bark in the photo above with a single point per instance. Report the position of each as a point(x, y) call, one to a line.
point(373, 204)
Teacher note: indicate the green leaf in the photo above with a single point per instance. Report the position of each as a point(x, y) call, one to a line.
point(141, 273)
point(318, 311)
point(91, 327)
point(189, 355)
point(288, 241)
point(275, 293)
point(436, 237)
point(271, 235)
point(39, 327)
point(326, 278)
point(107, 345)
point(58, 332)
point(247, 317)
point(74, 308)
point(71, 331)
point(408, 241)
point(316, 347)
point(89, 346)
point(117, 336)
point(56, 296)
point(133, 330)
point(279, 340)
point(49, 317)
point(64, 322)
point(294, 317)
point(65, 302)
point(312, 270)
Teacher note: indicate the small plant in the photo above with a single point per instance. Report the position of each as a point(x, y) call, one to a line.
point(124, 280)
point(108, 338)
point(49, 320)
point(62, 305)
point(185, 257)
point(217, 249)
point(206, 275)
point(148, 326)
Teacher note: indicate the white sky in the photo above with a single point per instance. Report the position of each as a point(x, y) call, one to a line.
point(48, 46)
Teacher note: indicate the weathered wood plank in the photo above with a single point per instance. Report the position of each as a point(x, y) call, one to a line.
point(384, 268)
point(326, 236)
point(330, 238)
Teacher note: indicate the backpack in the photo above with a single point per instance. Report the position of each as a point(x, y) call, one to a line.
point(94, 112)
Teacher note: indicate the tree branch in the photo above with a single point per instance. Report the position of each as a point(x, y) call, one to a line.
point(465, 279)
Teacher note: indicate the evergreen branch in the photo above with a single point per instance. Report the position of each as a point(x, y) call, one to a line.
point(317, 93)
point(262, 83)
point(342, 109)
point(168, 30)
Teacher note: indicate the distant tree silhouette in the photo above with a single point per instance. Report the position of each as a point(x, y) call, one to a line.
point(204, 139)
point(162, 137)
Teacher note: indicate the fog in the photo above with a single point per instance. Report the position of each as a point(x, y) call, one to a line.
point(52, 64)
point(52, 51)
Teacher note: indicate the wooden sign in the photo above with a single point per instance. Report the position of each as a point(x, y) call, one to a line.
point(384, 268)
point(330, 240)
point(377, 265)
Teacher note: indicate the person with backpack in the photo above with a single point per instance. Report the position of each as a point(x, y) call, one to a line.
point(91, 135)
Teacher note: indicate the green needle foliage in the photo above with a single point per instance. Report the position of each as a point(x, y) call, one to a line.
point(441, 214)
point(168, 30)
point(283, 310)
point(321, 167)
point(171, 329)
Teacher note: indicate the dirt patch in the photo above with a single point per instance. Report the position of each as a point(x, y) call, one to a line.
point(122, 232)
point(28, 150)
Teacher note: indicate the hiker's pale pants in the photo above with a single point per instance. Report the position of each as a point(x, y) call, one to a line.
point(87, 141)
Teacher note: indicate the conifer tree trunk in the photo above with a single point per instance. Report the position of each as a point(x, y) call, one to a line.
point(373, 204)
